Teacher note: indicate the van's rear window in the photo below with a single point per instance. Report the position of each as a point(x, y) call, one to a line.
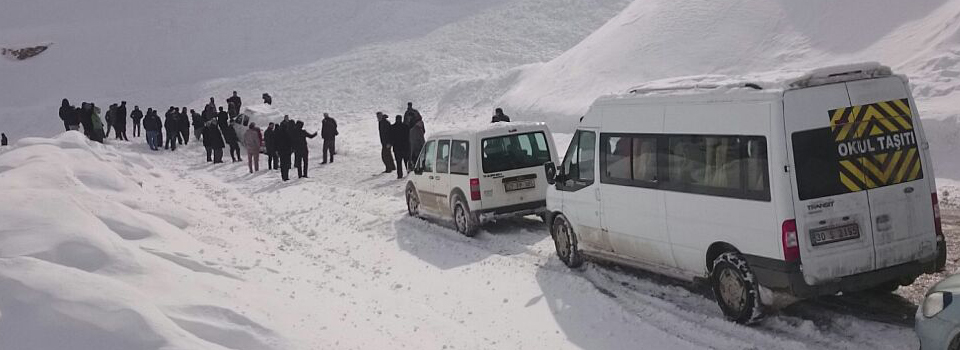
point(827, 167)
point(512, 152)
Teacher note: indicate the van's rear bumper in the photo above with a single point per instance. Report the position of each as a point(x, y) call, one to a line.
point(782, 276)
point(523, 209)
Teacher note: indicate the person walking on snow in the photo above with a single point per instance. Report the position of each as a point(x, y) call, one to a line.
point(328, 132)
point(269, 142)
point(172, 126)
point(67, 114)
point(136, 115)
point(411, 115)
point(97, 124)
point(400, 140)
point(385, 153)
point(417, 140)
point(284, 144)
point(252, 140)
point(498, 116)
point(234, 104)
point(232, 140)
point(197, 120)
point(3, 139)
point(152, 124)
point(120, 121)
point(213, 142)
point(109, 116)
point(301, 150)
point(267, 99)
point(184, 125)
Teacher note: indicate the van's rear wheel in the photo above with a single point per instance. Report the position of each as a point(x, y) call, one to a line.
point(565, 240)
point(463, 219)
point(736, 289)
point(413, 201)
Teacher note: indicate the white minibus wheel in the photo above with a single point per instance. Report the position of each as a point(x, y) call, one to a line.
point(565, 240)
point(736, 289)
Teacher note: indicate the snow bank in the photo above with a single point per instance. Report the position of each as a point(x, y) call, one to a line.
point(658, 39)
point(82, 268)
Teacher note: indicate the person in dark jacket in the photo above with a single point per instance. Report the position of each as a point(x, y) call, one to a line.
point(232, 140)
point(86, 119)
point(222, 118)
point(197, 121)
point(498, 116)
point(172, 125)
point(234, 104)
point(120, 121)
point(411, 116)
point(109, 117)
point(68, 114)
point(153, 125)
point(385, 151)
point(267, 99)
point(3, 139)
point(283, 142)
point(300, 149)
point(213, 142)
point(328, 132)
point(400, 140)
point(184, 126)
point(269, 142)
point(136, 115)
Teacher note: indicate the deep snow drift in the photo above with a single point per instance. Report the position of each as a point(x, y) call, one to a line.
point(91, 260)
point(657, 39)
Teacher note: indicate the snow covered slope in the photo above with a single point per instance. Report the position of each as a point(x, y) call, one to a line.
point(157, 53)
point(655, 39)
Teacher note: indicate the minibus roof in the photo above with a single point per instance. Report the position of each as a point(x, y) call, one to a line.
point(492, 128)
point(760, 83)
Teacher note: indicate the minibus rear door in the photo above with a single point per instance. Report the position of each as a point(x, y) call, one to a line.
point(834, 226)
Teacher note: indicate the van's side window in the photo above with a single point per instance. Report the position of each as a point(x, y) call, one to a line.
point(579, 160)
point(443, 156)
point(730, 166)
point(429, 156)
point(629, 159)
point(460, 158)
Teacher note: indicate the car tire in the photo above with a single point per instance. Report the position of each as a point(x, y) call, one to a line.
point(884, 288)
point(954, 344)
point(463, 219)
point(565, 241)
point(413, 201)
point(736, 289)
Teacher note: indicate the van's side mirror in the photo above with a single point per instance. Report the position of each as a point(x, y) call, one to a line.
point(550, 170)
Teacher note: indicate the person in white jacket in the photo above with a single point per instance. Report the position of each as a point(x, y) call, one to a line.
point(252, 140)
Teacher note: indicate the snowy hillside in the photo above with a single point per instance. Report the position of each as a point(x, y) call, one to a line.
point(656, 39)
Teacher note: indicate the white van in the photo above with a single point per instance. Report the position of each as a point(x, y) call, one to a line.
point(808, 185)
point(475, 176)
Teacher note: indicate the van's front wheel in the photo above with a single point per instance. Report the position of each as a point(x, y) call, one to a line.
point(413, 201)
point(566, 242)
point(736, 289)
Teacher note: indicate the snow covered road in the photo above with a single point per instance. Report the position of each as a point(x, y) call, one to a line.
point(356, 272)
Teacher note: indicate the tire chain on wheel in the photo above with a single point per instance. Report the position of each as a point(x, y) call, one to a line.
point(752, 288)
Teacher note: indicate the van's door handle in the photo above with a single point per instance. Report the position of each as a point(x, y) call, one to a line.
point(908, 190)
point(430, 177)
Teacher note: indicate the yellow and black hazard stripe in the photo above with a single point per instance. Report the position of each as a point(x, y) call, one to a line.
point(878, 132)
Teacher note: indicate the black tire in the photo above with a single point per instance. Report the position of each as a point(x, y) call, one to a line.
point(954, 344)
point(413, 201)
point(884, 288)
point(463, 219)
point(736, 289)
point(565, 241)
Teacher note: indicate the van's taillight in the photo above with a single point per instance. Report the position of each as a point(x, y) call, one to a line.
point(791, 246)
point(936, 216)
point(475, 189)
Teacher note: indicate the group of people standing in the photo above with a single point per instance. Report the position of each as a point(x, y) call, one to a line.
point(402, 141)
point(288, 138)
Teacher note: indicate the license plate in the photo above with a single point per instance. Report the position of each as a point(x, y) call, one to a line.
point(835, 234)
point(519, 185)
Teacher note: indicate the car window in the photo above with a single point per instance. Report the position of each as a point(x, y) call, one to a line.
point(459, 158)
point(512, 152)
point(579, 161)
point(429, 156)
point(443, 156)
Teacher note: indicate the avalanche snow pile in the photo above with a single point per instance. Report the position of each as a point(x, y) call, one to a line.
point(658, 39)
point(91, 260)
